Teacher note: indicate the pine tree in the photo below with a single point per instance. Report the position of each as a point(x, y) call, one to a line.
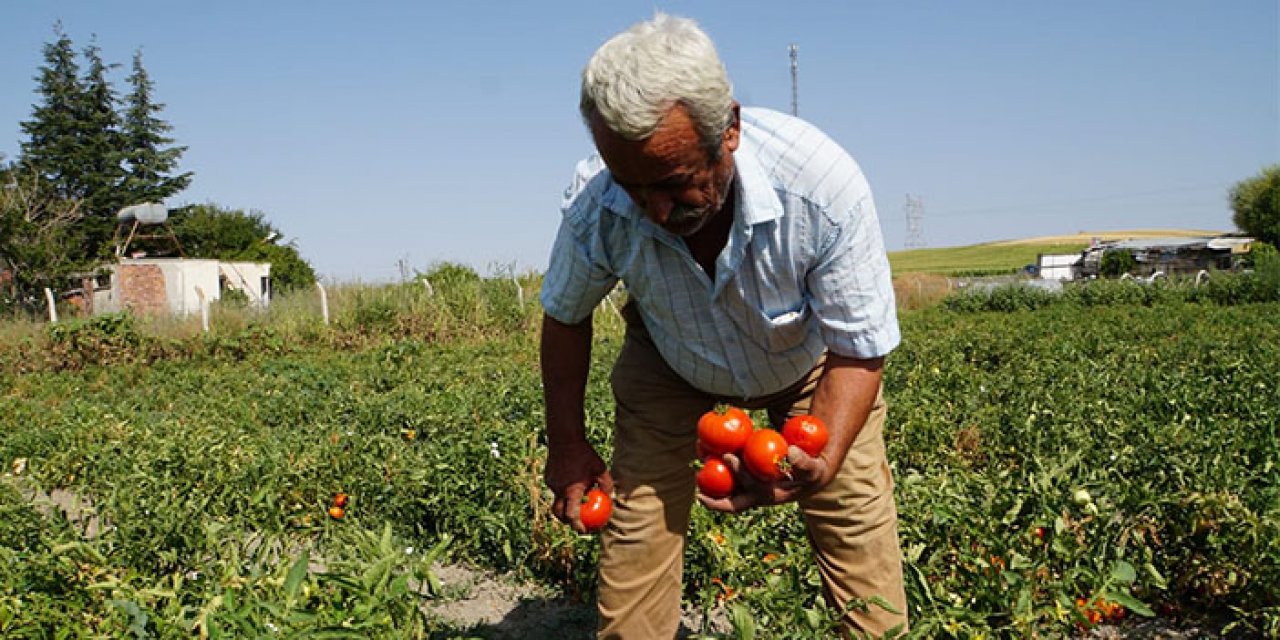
point(150, 160)
point(53, 133)
point(102, 151)
point(74, 145)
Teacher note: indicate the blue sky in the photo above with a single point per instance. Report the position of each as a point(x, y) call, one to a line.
point(375, 134)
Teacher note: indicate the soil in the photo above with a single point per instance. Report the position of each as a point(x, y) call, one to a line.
point(481, 604)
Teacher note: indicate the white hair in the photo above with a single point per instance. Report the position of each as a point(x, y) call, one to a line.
point(634, 79)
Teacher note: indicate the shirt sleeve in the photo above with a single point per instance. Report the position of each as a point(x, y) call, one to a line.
point(851, 286)
point(578, 276)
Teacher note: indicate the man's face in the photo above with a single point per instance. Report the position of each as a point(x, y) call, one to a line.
point(670, 174)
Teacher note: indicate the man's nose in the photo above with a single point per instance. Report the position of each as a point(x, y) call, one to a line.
point(657, 206)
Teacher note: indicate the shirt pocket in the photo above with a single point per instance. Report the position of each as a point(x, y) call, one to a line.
point(778, 332)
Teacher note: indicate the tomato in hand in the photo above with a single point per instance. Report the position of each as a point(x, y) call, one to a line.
point(807, 432)
point(596, 509)
point(765, 455)
point(715, 479)
point(724, 429)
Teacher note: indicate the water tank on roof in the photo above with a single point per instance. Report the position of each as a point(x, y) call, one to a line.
point(146, 213)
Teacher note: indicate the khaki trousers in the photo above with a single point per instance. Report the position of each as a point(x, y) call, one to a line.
point(852, 523)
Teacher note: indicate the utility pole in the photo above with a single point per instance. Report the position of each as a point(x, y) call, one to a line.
point(914, 209)
point(795, 68)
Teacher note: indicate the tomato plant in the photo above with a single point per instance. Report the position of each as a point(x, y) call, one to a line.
point(596, 509)
point(724, 429)
point(765, 455)
point(715, 479)
point(807, 432)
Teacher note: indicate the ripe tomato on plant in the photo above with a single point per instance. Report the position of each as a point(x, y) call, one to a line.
point(807, 432)
point(336, 512)
point(595, 510)
point(340, 500)
point(724, 429)
point(765, 455)
point(715, 479)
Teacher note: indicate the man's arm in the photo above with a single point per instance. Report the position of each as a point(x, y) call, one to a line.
point(573, 465)
point(843, 400)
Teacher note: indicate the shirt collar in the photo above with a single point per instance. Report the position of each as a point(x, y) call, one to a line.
point(757, 201)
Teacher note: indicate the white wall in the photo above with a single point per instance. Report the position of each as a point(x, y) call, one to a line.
point(1059, 266)
point(183, 275)
point(247, 277)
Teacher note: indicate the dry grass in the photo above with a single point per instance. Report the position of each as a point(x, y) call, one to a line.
point(920, 290)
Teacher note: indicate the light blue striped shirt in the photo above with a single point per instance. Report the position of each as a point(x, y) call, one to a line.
point(804, 268)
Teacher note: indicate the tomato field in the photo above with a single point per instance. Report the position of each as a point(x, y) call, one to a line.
point(1057, 466)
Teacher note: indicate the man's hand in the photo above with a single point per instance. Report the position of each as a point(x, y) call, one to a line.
point(572, 469)
point(843, 400)
point(807, 475)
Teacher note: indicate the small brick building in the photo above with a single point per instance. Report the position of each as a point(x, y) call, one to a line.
point(177, 285)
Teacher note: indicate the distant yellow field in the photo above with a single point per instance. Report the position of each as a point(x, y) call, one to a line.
point(1086, 236)
point(1007, 256)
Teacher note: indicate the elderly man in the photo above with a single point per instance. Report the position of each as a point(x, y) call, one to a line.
point(750, 249)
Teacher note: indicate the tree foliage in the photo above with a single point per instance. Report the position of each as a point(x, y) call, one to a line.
point(1256, 205)
point(1117, 262)
point(88, 153)
point(87, 145)
point(101, 152)
point(210, 231)
point(35, 226)
point(57, 126)
point(150, 157)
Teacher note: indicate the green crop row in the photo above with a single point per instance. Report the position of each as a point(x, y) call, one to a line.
point(199, 473)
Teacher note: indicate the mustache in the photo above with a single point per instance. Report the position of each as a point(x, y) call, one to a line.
point(683, 213)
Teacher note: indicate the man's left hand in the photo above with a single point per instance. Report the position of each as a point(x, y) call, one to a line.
point(807, 475)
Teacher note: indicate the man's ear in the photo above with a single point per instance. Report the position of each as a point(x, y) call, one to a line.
point(734, 131)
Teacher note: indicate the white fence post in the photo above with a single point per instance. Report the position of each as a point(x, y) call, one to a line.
point(53, 305)
point(204, 309)
point(324, 302)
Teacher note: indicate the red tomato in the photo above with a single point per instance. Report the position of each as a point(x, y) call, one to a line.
point(765, 455)
point(340, 500)
point(596, 509)
point(807, 432)
point(724, 429)
point(714, 478)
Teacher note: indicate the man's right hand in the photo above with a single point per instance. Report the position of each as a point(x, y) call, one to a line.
point(572, 469)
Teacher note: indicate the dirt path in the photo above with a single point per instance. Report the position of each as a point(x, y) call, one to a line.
point(485, 605)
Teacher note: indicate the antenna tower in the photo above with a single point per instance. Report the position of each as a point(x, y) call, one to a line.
point(795, 68)
point(914, 209)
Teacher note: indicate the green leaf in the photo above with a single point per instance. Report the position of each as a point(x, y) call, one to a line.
point(1012, 514)
point(744, 624)
point(1131, 603)
point(813, 618)
point(1156, 576)
point(297, 573)
point(1123, 572)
